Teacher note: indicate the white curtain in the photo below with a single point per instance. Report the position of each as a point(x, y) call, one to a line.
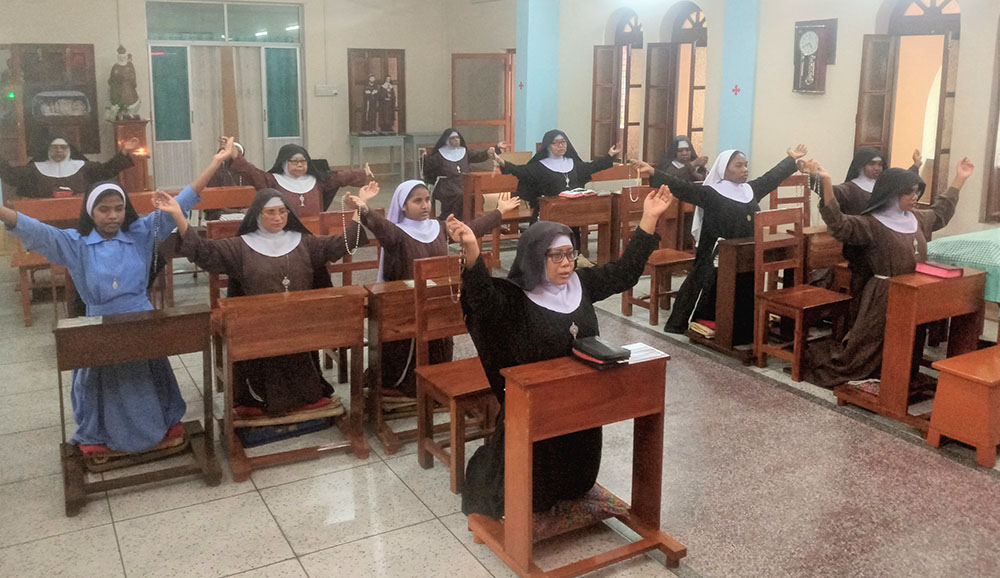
point(250, 104)
point(206, 104)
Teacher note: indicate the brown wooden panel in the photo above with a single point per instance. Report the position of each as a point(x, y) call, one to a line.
point(877, 88)
point(94, 341)
point(295, 322)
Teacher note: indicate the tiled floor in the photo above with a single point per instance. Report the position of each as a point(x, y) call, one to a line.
point(761, 478)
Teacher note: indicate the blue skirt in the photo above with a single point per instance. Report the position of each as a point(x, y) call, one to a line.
point(127, 406)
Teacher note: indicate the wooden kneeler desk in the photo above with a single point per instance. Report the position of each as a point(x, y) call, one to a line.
point(561, 396)
point(94, 341)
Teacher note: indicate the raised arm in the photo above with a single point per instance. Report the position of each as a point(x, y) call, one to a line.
point(241, 166)
point(17, 177)
point(679, 188)
point(848, 229)
point(942, 209)
point(765, 184)
point(480, 297)
point(60, 246)
point(350, 178)
point(606, 280)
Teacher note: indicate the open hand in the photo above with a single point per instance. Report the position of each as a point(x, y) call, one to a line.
point(369, 173)
point(167, 203)
point(459, 231)
point(502, 146)
point(507, 203)
point(644, 169)
point(964, 168)
point(657, 201)
point(701, 161)
point(798, 152)
point(368, 192)
point(918, 159)
point(615, 149)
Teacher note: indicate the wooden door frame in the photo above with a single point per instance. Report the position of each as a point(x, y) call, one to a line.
point(508, 122)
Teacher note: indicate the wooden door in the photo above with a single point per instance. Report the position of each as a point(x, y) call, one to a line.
point(946, 116)
point(661, 99)
point(873, 124)
point(604, 108)
point(482, 97)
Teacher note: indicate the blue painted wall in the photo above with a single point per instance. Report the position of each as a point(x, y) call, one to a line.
point(536, 103)
point(739, 68)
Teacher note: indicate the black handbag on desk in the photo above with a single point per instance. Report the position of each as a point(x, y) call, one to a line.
point(599, 352)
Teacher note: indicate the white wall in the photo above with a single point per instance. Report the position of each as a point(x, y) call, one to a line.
point(826, 122)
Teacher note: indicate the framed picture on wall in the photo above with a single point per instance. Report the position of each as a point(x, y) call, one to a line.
point(376, 90)
point(815, 48)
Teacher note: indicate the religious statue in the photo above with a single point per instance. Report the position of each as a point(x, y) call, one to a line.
point(387, 107)
point(369, 120)
point(122, 84)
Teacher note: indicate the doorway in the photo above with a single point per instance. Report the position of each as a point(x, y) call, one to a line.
point(482, 98)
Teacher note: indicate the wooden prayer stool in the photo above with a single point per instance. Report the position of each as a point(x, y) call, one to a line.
point(28, 263)
point(390, 318)
point(796, 300)
point(296, 322)
point(914, 300)
point(561, 396)
point(461, 386)
point(600, 210)
point(733, 283)
point(662, 265)
point(94, 341)
point(967, 403)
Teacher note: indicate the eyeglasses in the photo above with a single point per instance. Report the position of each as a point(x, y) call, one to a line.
point(558, 256)
point(276, 212)
point(559, 143)
point(297, 161)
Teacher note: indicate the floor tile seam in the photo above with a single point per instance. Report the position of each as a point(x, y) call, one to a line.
point(365, 537)
point(21, 481)
point(466, 546)
point(209, 501)
point(121, 556)
point(312, 476)
point(268, 565)
point(56, 535)
point(29, 430)
point(849, 411)
point(276, 523)
point(412, 490)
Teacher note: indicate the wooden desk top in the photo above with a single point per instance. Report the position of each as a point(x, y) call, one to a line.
point(981, 366)
point(67, 209)
point(103, 340)
point(565, 395)
point(918, 280)
point(387, 287)
point(268, 299)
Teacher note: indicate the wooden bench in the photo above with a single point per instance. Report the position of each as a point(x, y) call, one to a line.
point(93, 341)
point(296, 322)
point(967, 403)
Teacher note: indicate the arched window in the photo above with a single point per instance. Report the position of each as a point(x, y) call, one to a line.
point(690, 27)
point(913, 17)
point(618, 71)
point(908, 82)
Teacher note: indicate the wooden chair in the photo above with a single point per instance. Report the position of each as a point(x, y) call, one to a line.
point(332, 223)
point(28, 263)
point(296, 322)
point(662, 264)
point(461, 385)
point(799, 195)
point(804, 304)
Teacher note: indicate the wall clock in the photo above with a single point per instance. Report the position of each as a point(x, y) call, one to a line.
point(815, 48)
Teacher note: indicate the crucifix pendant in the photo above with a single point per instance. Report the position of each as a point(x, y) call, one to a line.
point(302, 200)
point(573, 329)
point(285, 283)
point(114, 283)
point(567, 180)
point(459, 169)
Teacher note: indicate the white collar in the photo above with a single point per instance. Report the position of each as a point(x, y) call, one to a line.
point(272, 244)
point(62, 169)
point(558, 298)
point(739, 192)
point(453, 154)
point(424, 231)
point(895, 218)
point(678, 164)
point(562, 164)
point(300, 185)
point(864, 183)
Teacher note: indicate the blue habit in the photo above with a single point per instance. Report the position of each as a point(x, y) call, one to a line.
point(129, 406)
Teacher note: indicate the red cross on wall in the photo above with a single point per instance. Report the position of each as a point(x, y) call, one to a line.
point(520, 85)
point(736, 90)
